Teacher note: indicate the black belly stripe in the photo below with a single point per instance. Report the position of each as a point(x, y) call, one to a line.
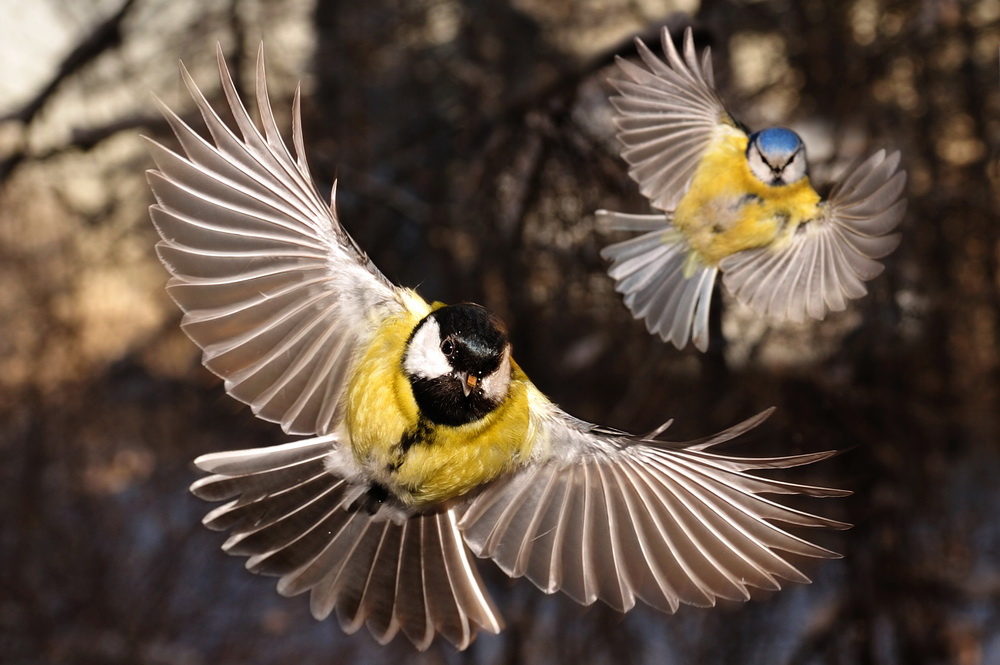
point(422, 433)
point(419, 434)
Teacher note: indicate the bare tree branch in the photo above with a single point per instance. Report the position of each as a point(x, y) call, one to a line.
point(105, 36)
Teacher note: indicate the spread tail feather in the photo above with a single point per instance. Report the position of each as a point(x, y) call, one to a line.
point(297, 519)
point(650, 272)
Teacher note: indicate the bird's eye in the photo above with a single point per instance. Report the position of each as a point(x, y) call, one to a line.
point(447, 346)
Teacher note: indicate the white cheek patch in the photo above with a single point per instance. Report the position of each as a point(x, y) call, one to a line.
point(757, 165)
point(495, 385)
point(423, 357)
point(795, 170)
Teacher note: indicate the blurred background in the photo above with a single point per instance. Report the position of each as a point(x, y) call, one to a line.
point(472, 142)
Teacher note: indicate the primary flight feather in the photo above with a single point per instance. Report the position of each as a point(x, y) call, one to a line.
point(429, 444)
point(736, 202)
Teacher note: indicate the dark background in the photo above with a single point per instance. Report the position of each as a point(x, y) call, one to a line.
point(472, 142)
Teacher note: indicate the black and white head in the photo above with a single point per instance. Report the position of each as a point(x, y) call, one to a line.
point(777, 156)
point(458, 363)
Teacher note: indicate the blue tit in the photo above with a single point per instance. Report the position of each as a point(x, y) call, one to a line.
point(428, 444)
point(736, 202)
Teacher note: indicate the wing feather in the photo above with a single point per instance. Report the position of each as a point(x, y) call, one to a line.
point(293, 512)
point(611, 517)
point(639, 538)
point(273, 289)
point(827, 261)
point(667, 114)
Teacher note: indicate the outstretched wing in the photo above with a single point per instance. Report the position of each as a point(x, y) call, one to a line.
point(274, 290)
point(612, 517)
point(290, 511)
point(668, 116)
point(827, 260)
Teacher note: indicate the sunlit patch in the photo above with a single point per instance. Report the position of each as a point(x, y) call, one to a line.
point(959, 144)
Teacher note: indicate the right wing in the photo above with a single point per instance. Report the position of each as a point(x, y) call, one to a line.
point(612, 517)
point(667, 117)
point(273, 289)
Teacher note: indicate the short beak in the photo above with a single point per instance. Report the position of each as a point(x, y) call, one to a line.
point(469, 382)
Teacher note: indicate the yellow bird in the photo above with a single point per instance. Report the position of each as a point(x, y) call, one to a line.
point(428, 443)
point(735, 202)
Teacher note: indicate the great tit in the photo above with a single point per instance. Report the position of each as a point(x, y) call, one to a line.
point(429, 444)
point(738, 202)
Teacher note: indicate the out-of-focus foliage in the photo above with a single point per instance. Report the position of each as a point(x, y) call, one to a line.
point(472, 141)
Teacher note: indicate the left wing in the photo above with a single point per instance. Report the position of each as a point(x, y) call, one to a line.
point(667, 118)
point(612, 517)
point(827, 260)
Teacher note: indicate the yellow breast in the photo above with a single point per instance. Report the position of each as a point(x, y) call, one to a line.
point(380, 404)
point(439, 462)
point(727, 209)
point(453, 461)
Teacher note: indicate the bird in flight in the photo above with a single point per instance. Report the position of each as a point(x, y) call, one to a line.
point(738, 202)
point(428, 445)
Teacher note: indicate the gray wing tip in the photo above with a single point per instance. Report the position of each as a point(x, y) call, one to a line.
point(151, 175)
point(837, 525)
point(198, 487)
point(210, 462)
point(733, 432)
point(764, 415)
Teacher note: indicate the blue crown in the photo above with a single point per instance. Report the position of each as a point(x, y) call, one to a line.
point(777, 141)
